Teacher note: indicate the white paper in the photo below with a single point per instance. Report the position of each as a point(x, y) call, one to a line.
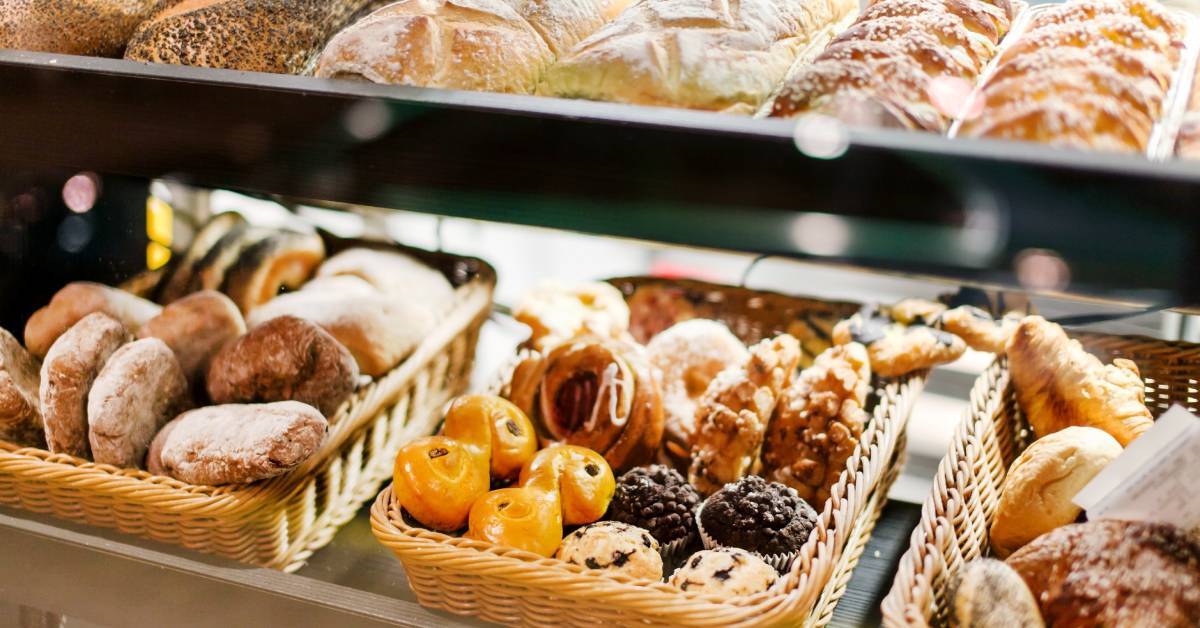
point(1156, 478)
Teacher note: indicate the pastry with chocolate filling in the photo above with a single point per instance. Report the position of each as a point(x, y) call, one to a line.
point(614, 547)
point(897, 349)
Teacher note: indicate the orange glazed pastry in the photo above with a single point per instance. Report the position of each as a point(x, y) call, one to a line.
point(438, 478)
point(562, 485)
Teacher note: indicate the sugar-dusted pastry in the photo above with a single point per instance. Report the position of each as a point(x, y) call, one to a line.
point(1113, 573)
point(138, 391)
point(690, 354)
point(613, 547)
point(596, 393)
point(237, 444)
point(70, 368)
point(195, 328)
point(283, 359)
point(766, 518)
point(20, 414)
point(897, 349)
point(282, 261)
point(734, 412)
point(438, 478)
point(655, 307)
point(75, 301)
point(1058, 384)
point(990, 594)
point(562, 485)
point(817, 423)
point(392, 273)
point(558, 312)
point(977, 328)
point(726, 572)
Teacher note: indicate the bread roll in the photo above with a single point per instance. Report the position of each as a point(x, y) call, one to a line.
point(280, 36)
point(77, 27)
point(195, 327)
point(180, 278)
point(701, 54)
point(20, 415)
point(1113, 573)
point(393, 274)
point(1037, 492)
point(236, 444)
point(284, 260)
point(285, 358)
point(990, 594)
point(68, 372)
point(139, 389)
point(380, 331)
point(77, 300)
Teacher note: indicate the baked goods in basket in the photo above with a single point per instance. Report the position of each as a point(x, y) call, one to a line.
point(763, 517)
point(660, 500)
point(699, 54)
point(726, 572)
point(557, 312)
point(616, 547)
point(20, 412)
point(391, 273)
point(75, 301)
point(977, 328)
point(281, 261)
point(1113, 573)
point(733, 414)
point(195, 328)
point(896, 349)
point(1058, 384)
point(990, 594)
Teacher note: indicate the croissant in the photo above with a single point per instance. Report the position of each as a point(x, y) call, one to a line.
point(562, 485)
point(1058, 384)
point(438, 478)
point(593, 392)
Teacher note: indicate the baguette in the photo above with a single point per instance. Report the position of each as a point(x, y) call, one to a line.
point(701, 54)
point(78, 27)
point(280, 36)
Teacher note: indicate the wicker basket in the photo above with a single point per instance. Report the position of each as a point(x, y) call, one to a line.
point(519, 588)
point(958, 514)
point(280, 522)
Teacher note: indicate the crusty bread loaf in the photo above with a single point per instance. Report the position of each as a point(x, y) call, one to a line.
point(393, 274)
point(78, 27)
point(71, 366)
point(140, 388)
point(284, 260)
point(702, 54)
point(285, 358)
point(281, 36)
point(236, 444)
point(20, 413)
point(195, 327)
point(77, 300)
point(379, 330)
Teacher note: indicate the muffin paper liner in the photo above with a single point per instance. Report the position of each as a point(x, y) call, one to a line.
point(781, 562)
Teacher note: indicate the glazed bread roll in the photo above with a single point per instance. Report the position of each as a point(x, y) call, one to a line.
point(139, 389)
point(195, 327)
point(77, 300)
point(701, 54)
point(1037, 492)
point(68, 372)
point(20, 415)
point(391, 273)
point(78, 27)
point(237, 444)
point(284, 359)
point(281, 36)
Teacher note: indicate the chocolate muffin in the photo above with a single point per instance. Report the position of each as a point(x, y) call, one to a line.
point(658, 499)
point(764, 517)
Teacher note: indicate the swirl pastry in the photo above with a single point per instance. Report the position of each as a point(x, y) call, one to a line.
point(818, 422)
point(596, 393)
point(559, 312)
point(734, 412)
point(1058, 384)
point(690, 354)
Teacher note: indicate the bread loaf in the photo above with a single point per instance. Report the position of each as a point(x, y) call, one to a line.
point(285, 358)
point(281, 36)
point(77, 300)
point(20, 414)
point(196, 327)
point(392, 274)
point(140, 388)
point(284, 260)
point(68, 372)
point(702, 54)
point(237, 444)
point(78, 27)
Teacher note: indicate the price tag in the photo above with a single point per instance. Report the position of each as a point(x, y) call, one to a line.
point(1156, 478)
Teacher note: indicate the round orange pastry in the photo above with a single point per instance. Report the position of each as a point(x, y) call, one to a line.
point(437, 478)
point(562, 485)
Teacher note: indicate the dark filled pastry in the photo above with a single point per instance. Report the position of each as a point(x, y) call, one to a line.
point(897, 349)
point(658, 499)
point(613, 547)
point(282, 261)
point(767, 518)
point(20, 413)
point(1113, 573)
point(990, 594)
point(724, 572)
point(283, 359)
point(178, 282)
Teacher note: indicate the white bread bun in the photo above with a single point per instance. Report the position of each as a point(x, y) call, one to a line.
point(1037, 493)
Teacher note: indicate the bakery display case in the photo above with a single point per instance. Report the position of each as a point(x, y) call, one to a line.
point(305, 300)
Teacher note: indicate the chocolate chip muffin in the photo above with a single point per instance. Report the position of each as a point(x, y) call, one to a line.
point(725, 571)
point(613, 546)
point(658, 499)
point(764, 517)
